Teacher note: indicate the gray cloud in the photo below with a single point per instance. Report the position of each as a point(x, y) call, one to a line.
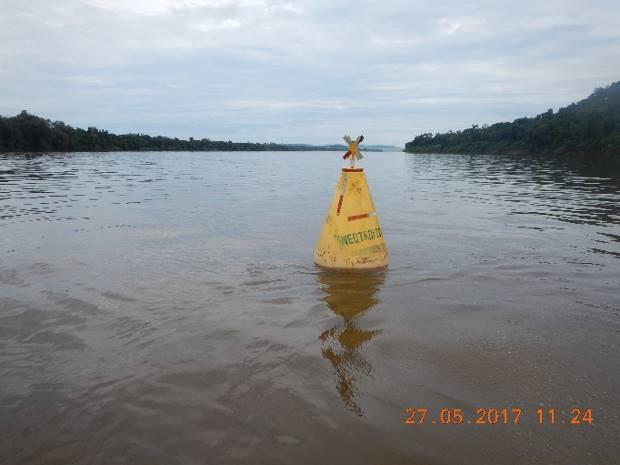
point(301, 71)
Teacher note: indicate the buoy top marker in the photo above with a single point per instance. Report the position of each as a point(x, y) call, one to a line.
point(353, 153)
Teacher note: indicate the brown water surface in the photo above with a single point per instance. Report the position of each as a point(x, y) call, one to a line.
point(163, 308)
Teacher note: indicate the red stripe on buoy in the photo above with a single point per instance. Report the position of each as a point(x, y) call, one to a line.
point(339, 204)
point(357, 217)
point(352, 170)
point(346, 155)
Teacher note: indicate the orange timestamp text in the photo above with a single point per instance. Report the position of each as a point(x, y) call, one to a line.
point(498, 416)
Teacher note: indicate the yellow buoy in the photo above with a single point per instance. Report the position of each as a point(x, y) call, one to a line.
point(351, 237)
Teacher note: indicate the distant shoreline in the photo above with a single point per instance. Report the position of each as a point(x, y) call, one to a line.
point(58, 152)
point(27, 133)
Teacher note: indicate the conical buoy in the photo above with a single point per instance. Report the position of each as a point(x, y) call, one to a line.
point(351, 237)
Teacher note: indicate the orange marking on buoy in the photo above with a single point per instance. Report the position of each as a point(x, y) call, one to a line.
point(357, 217)
point(339, 204)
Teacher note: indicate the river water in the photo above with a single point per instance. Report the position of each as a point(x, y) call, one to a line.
point(163, 308)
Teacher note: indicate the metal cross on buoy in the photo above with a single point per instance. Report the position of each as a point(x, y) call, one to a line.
point(353, 152)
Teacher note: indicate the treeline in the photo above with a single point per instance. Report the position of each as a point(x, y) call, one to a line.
point(589, 127)
point(29, 133)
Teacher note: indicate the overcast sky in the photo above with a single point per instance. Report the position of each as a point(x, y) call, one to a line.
point(301, 71)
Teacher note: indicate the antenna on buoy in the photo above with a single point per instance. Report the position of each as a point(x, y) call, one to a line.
point(351, 237)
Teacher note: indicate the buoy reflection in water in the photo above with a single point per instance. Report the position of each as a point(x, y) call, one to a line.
point(349, 295)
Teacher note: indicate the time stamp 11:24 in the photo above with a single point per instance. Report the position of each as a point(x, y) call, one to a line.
point(498, 416)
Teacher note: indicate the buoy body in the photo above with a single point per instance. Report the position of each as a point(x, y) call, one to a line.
point(351, 237)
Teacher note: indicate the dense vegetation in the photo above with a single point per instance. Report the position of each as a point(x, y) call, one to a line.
point(29, 133)
point(589, 127)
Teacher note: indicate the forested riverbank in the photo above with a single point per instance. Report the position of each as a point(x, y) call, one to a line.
point(590, 127)
point(26, 132)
